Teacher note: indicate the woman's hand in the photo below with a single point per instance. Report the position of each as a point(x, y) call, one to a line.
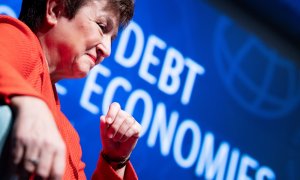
point(119, 133)
point(37, 144)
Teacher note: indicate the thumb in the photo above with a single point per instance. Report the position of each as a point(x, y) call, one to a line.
point(102, 126)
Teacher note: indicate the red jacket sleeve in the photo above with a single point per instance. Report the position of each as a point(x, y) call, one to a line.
point(17, 65)
point(105, 171)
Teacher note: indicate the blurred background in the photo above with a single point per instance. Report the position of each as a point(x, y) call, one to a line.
point(215, 85)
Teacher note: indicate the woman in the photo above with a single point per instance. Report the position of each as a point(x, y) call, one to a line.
point(61, 39)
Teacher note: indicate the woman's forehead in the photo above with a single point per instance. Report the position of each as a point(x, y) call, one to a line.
point(105, 7)
point(108, 5)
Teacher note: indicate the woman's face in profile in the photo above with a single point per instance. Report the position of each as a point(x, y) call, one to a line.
point(77, 45)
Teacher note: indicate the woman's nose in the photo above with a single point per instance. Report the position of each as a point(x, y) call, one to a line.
point(105, 46)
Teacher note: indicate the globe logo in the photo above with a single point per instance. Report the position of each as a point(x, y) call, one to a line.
point(7, 10)
point(260, 80)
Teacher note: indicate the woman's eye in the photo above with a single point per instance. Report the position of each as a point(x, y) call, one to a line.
point(102, 27)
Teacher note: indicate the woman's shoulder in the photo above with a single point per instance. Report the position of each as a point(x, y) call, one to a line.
point(11, 23)
point(17, 40)
point(13, 29)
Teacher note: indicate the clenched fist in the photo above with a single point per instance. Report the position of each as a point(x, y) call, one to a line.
point(119, 133)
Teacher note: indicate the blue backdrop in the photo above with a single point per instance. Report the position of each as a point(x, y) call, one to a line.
point(215, 100)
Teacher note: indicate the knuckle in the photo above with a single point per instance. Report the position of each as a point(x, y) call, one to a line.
point(28, 167)
point(129, 133)
point(18, 135)
point(47, 143)
point(49, 146)
point(21, 138)
point(57, 174)
point(137, 131)
point(44, 169)
point(43, 172)
point(36, 142)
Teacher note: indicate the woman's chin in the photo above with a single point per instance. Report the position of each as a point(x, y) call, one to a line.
point(81, 72)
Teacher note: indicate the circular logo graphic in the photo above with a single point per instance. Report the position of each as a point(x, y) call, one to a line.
point(258, 79)
point(7, 10)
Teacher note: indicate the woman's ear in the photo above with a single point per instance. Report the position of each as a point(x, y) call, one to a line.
point(53, 11)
